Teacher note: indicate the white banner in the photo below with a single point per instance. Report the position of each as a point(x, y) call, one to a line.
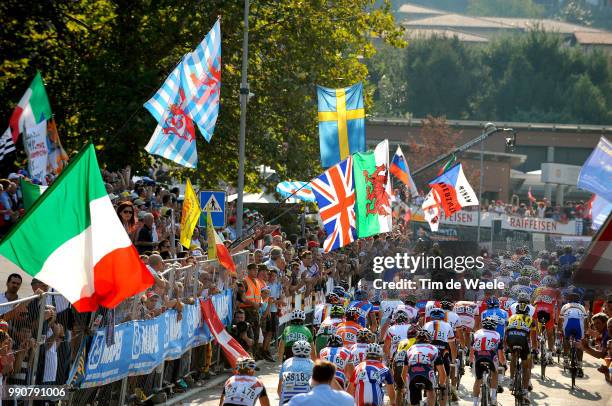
point(528, 224)
point(35, 144)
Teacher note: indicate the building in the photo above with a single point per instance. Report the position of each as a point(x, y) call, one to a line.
point(590, 41)
point(505, 172)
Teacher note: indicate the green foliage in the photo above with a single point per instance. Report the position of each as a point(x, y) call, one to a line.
point(102, 59)
point(532, 77)
point(576, 12)
point(505, 8)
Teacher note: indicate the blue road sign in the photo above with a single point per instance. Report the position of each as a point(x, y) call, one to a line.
point(215, 200)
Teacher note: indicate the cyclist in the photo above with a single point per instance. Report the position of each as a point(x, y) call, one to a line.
point(500, 317)
point(339, 356)
point(398, 361)
point(295, 373)
point(328, 326)
point(244, 388)
point(453, 319)
point(505, 301)
point(321, 311)
point(546, 301)
point(487, 350)
point(387, 308)
point(367, 381)
point(409, 307)
point(397, 332)
point(419, 365)
point(358, 350)
point(349, 328)
point(467, 312)
point(345, 298)
point(442, 337)
point(571, 323)
point(521, 332)
point(295, 331)
point(366, 317)
point(521, 287)
point(522, 298)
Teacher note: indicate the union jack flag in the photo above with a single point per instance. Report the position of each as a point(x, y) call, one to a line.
point(335, 194)
point(201, 80)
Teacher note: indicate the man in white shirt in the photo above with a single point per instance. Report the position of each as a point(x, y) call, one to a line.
point(13, 283)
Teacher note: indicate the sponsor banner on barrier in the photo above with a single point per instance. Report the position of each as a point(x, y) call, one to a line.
point(529, 224)
point(142, 345)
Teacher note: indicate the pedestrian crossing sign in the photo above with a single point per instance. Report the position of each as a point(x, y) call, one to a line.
point(215, 201)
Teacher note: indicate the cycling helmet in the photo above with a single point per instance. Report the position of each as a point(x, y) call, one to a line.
point(335, 340)
point(446, 305)
point(374, 351)
point(549, 281)
point(524, 280)
point(437, 314)
point(423, 336)
point(332, 298)
point(489, 323)
point(400, 316)
point(372, 337)
point(492, 302)
point(361, 295)
point(301, 349)
point(351, 314)
point(336, 312)
point(552, 270)
point(505, 272)
point(339, 290)
point(522, 308)
point(298, 315)
point(526, 260)
point(523, 298)
point(580, 250)
point(412, 331)
point(326, 330)
point(363, 335)
point(245, 363)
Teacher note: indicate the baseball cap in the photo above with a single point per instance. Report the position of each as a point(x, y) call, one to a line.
point(138, 202)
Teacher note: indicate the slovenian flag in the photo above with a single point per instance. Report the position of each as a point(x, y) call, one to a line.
point(72, 240)
point(453, 190)
point(399, 168)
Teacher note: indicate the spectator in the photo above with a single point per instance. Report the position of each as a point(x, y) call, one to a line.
point(600, 333)
point(322, 394)
point(13, 283)
point(144, 236)
point(23, 347)
point(242, 331)
point(127, 215)
point(156, 266)
point(276, 253)
point(252, 302)
point(271, 325)
point(568, 257)
point(196, 239)
point(607, 369)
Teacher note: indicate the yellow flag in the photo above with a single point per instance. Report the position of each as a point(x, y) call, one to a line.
point(210, 235)
point(190, 215)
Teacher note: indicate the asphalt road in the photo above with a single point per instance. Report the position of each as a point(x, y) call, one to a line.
point(553, 391)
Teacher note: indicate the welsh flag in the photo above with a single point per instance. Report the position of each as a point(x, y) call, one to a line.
point(33, 108)
point(72, 239)
point(373, 191)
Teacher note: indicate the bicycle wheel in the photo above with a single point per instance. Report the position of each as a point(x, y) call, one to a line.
point(484, 390)
point(542, 357)
point(573, 365)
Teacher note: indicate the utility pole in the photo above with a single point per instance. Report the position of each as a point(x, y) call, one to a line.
point(244, 98)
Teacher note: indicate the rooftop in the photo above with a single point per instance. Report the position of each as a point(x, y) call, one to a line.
point(593, 38)
point(546, 24)
point(416, 122)
point(456, 20)
point(414, 9)
point(447, 33)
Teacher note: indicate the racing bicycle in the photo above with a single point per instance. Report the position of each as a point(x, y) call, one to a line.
point(517, 379)
point(485, 386)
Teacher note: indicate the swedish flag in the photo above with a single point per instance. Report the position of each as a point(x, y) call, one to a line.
point(341, 123)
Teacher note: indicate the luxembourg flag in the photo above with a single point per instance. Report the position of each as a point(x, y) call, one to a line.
point(399, 168)
point(453, 190)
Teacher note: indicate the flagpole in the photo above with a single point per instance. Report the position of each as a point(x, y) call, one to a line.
point(244, 98)
point(480, 192)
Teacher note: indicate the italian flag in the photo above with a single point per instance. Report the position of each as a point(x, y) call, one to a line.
point(33, 108)
point(373, 191)
point(72, 240)
point(30, 192)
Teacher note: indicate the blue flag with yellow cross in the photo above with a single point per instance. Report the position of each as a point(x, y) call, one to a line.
point(341, 123)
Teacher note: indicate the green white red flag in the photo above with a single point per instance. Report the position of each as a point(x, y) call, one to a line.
point(72, 240)
point(33, 108)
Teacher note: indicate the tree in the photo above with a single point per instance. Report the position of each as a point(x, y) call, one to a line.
point(505, 8)
point(576, 12)
point(436, 138)
point(102, 59)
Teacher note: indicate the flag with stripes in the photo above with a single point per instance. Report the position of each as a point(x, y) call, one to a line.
point(6, 144)
point(201, 80)
point(335, 194)
point(231, 348)
point(174, 136)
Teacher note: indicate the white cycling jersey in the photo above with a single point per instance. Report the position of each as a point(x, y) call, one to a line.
point(467, 312)
point(243, 390)
point(397, 333)
point(439, 330)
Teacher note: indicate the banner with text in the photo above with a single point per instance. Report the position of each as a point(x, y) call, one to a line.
point(528, 224)
point(140, 346)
